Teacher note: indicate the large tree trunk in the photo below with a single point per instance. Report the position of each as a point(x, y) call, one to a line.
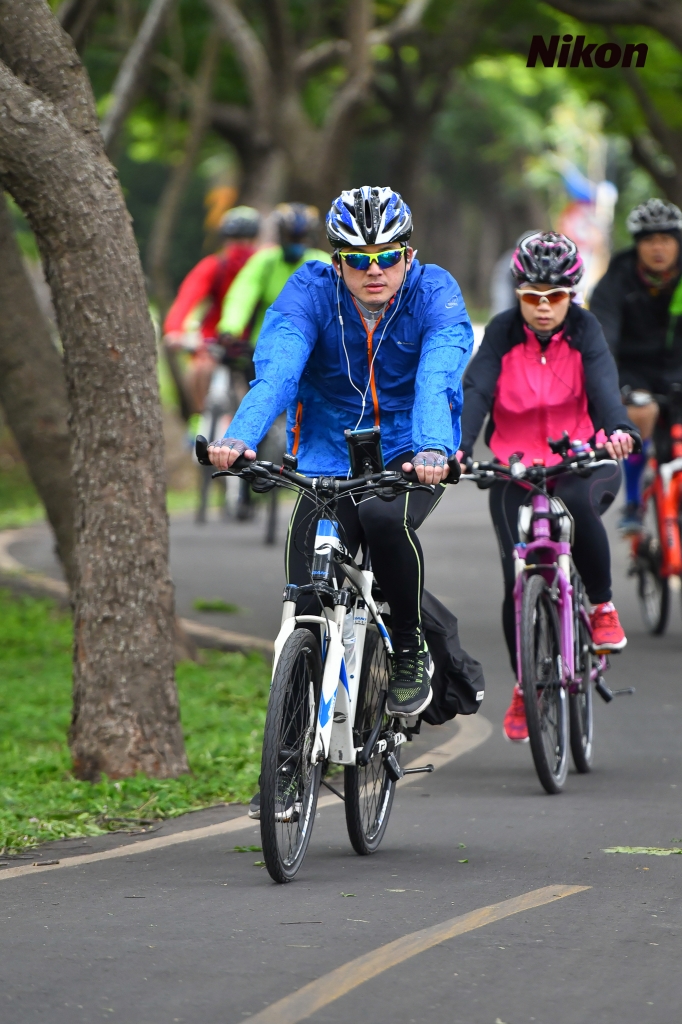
point(33, 393)
point(52, 160)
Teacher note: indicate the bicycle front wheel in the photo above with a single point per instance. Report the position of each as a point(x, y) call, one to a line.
point(289, 782)
point(581, 711)
point(652, 588)
point(544, 695)
point(369, 791)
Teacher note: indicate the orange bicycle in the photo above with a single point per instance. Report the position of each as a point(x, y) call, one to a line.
point(656, 549)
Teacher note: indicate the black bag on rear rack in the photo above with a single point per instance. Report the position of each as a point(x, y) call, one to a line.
point(458, 683)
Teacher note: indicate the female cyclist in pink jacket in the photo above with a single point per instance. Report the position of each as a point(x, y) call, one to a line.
point(544, 368)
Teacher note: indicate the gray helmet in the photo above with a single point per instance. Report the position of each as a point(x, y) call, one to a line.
point(240, 222)
point(653, 217)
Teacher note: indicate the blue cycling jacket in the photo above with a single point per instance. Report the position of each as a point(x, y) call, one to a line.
point(404, 376)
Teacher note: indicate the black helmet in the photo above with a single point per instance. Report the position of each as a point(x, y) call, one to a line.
point(547, 258)
point(240, 222)
point(297, 218)
point(654, 217)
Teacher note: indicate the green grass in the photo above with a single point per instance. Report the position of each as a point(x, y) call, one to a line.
point(222, 700)
point(19, 501)
point(215, 604)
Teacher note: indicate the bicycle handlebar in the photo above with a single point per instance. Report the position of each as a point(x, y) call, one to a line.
point(250, 469)
point(517, 471)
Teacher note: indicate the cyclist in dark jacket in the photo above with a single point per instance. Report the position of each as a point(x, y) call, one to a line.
point(544, 367)
point(638, 303)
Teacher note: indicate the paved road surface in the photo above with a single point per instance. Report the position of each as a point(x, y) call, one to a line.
point(212, 941)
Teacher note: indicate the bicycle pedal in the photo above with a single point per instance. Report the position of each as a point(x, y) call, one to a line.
point(393, 769)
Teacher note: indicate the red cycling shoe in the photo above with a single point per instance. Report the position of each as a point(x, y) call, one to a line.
point(514, 726)
point(607, 632)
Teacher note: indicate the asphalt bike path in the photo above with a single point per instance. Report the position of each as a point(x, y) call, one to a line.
point(533, 921)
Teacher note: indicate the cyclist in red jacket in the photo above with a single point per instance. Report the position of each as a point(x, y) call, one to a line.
point(206, 286)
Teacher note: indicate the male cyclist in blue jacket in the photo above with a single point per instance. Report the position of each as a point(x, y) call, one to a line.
point(375, 339)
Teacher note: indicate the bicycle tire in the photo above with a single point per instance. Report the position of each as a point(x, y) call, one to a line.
point(369, 791)
point(544, 695)
point(653, 590)
point(580, 703)
point(285, 767)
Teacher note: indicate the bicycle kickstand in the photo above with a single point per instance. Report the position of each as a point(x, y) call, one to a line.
point(395, 772)
point(607, 694)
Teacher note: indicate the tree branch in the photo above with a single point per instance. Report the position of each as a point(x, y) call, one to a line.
point(353, 93)
point(321, 56)
point(33, 394)
point(669, 139)
point(76, 18)
point(663, 15)
point(230, 118)
point(329, 52)
point(405, 23)
point(41, 54)
point(251, 54)
point(129, 77)
point(171, 198)
point(670, 185)
point(281, 40)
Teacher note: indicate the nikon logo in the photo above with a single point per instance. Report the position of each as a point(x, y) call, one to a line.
point(576, 53)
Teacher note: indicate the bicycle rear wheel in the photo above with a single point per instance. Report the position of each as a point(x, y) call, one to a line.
point(543, 694)
point(652, 589)
point(289, 783)
point(580, 706)
point(369, 791)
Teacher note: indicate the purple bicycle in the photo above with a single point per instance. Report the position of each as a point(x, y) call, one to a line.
point(556, 660)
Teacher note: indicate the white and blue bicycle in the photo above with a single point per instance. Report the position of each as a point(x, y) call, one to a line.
point(330, 680)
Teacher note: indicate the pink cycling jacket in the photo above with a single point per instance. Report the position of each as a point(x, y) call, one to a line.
point(535, 392)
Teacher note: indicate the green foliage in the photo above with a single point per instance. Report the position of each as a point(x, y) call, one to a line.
point(222, 701)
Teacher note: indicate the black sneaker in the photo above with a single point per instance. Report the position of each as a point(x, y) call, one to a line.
point(409, 691)
point(287, 807)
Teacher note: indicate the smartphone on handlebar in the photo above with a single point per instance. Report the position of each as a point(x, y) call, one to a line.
point(364, 451)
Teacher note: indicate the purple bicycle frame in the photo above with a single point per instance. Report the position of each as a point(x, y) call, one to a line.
point(544, 555)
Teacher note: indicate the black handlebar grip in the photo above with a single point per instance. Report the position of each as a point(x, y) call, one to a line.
point(201, 450)
point(455, 470)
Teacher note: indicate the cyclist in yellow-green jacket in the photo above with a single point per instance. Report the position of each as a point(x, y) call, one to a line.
point(263, 276)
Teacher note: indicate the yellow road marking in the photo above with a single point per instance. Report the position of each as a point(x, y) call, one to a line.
point(471, 733)
point(344, 979)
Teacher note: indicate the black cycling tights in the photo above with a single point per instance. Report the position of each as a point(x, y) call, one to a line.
point(389, 529)
point(587, 498)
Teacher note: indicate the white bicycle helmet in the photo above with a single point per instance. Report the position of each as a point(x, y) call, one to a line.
point(368, 216)
point(653, 217)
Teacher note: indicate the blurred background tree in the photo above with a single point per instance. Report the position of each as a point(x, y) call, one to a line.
point(433, 96)
point(207, 103)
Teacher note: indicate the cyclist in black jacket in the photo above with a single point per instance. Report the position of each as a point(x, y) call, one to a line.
point(639, 305)
point(544, 367)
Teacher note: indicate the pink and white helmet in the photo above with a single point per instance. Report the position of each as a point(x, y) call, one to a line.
point(547, 258)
